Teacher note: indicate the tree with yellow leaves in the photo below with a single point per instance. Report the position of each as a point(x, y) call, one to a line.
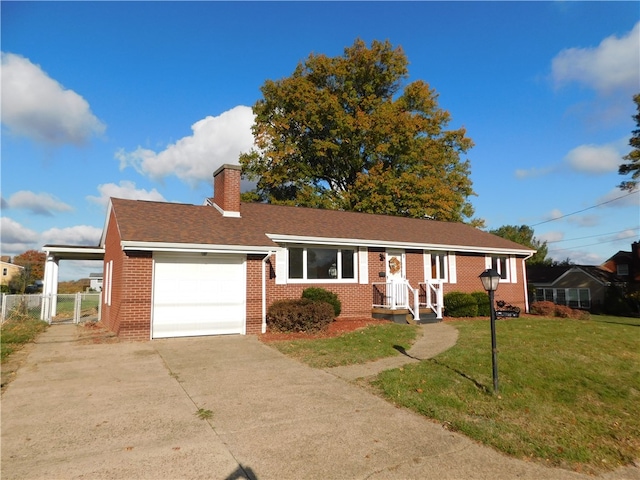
point(344, 133)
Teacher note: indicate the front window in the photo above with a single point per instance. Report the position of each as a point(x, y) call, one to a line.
point(438, 266)
point(501, 265)
point(315, 263)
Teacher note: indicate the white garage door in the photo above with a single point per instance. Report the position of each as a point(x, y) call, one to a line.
point(198, 295)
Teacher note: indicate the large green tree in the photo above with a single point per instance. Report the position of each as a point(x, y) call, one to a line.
point(524, 236)
point(632, 165)
point(346, 133)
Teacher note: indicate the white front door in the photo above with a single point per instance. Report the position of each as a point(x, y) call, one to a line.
point(396, 276)
point(395, 264)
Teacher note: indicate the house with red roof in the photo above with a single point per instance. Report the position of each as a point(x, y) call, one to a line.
point(173, 270)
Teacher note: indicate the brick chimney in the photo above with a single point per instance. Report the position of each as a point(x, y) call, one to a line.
point(226, 190)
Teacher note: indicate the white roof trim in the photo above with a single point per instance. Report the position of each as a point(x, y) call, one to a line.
point(278, 238)
point(577, 269)
point(192, 247)
point(103, 235)
point(72, 249)
point(226, 213)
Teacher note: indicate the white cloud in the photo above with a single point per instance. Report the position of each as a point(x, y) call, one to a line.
point(36, 106)
point(550, 237)
point(594, 159)
point(37, 203)
point(585, 220)
point(554, 214)
point(625, 235)
point(618, 199)
point(533, 172)
point(125, 189)
point(78, 235)
point(215, 141)
point(612, 65)
point(579, 257)
point(16, 239)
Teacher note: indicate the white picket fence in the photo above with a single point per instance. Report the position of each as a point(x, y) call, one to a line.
point(61, 308)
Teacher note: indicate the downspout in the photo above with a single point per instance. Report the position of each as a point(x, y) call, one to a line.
point(264, 291)
point(524, 281)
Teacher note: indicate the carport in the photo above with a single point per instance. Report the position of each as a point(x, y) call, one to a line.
point(55, 253)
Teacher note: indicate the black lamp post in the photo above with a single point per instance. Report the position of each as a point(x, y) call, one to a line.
point(490, 280)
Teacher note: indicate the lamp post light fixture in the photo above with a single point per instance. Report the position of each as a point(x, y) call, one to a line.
point(490, 279)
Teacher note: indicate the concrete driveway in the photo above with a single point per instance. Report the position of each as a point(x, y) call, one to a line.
point(128, 411)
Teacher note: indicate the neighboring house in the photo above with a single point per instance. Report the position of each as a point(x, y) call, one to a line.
point(626, 266)
point(175, 270)
point(577, 286)
point(95, 282)
point(9, 270)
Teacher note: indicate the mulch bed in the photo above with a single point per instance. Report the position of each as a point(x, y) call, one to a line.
point(335, 328)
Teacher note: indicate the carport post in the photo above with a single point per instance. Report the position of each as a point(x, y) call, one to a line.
point(50, 288)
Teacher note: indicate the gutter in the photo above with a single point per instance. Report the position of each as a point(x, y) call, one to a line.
point(264, 291)
point(525, 282)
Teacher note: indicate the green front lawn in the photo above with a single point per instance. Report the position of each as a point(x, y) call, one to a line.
point(569, 389)
point(360, 346)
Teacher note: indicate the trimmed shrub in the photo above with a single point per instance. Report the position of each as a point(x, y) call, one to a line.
point(299, 315)
point(317, 294)
point(550, 309)
point(484, 306)
point(459, 304)
point(562, 311)
point(546, 309)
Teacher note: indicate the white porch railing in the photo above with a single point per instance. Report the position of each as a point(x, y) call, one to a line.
point(432, 296)
point(399, 294)
point(396, 294)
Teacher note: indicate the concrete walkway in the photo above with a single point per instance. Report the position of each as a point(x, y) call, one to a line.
point(434, 338)
point(128, 411)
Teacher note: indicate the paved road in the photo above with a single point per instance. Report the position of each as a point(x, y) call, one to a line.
point(127, 411)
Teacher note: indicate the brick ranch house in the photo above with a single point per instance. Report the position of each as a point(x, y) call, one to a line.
point(174, 270)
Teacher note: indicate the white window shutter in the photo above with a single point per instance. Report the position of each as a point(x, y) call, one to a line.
point(487, 262)
point(514, 269)
point(363, 262)
point(452, 267)
point(427, 264)
point(281, 266)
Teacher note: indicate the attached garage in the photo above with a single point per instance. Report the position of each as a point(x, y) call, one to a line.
point(196, 294)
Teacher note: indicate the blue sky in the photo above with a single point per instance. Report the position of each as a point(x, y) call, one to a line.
point(146, 99)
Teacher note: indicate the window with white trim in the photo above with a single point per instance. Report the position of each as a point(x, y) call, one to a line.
point(439, 266)
point(501, 265)
point(321, 263)
point(622, 269)
point(571, 297)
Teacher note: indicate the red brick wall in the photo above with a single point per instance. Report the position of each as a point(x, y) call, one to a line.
point(469, 267)
point(414, 267)
point(129, 314)
point(356, 298)
point(254, 294)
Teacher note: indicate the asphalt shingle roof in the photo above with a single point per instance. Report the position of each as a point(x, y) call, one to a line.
point(145, 221)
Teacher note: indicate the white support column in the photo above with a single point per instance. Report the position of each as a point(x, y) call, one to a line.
point(50, 288)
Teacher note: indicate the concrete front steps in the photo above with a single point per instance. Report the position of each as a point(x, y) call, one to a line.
point(403, 315)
